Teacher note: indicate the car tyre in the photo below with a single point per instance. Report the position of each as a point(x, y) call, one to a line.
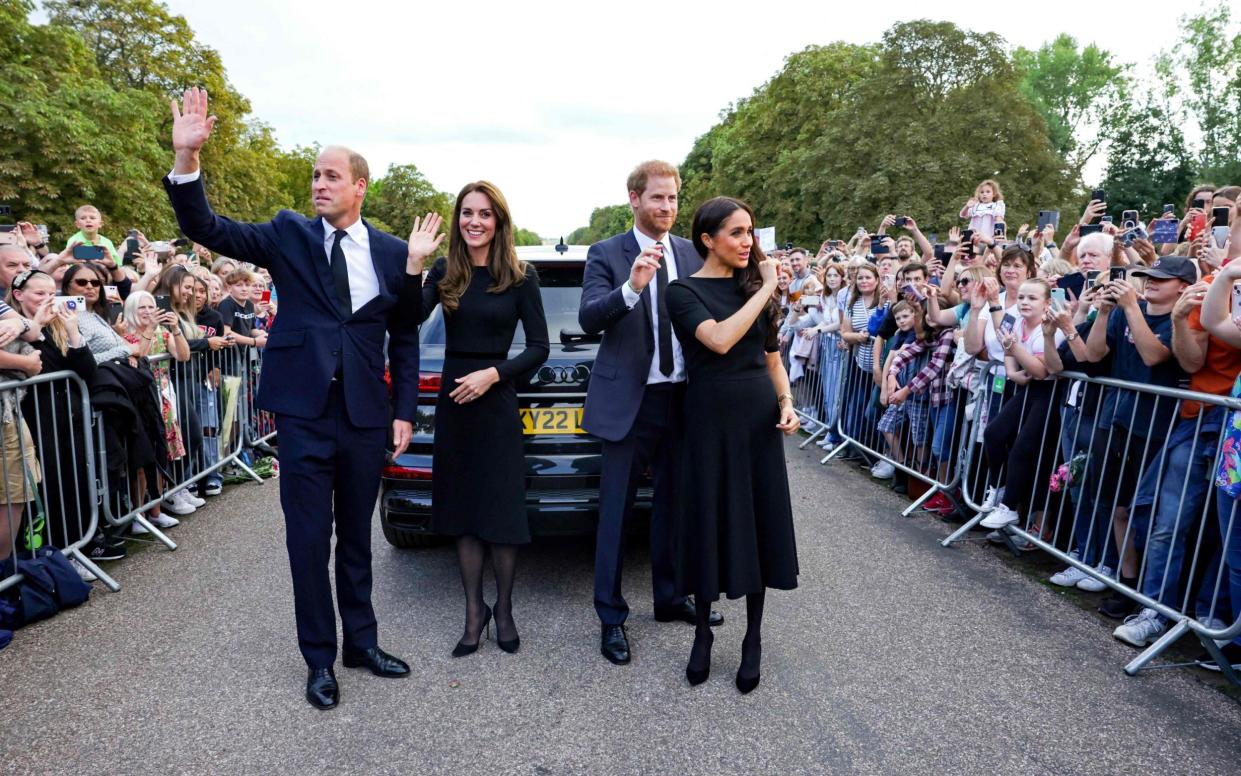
point(409, 540)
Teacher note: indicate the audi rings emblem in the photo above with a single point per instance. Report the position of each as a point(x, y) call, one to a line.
point(561, 375)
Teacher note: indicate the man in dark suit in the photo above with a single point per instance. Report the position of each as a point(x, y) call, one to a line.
point(637, 388)
point(340, 282)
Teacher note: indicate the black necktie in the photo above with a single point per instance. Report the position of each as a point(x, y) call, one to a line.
point(665, 325)
point(340, 273)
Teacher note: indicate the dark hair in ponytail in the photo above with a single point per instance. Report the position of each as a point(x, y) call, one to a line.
point(708, 220)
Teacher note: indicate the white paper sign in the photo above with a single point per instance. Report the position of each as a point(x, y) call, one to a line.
point(766, 238)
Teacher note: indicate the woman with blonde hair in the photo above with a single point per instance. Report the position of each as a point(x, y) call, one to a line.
point(478, 494)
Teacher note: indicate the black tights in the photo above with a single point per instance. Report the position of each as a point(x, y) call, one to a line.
point(471, 555)
point(751, 645)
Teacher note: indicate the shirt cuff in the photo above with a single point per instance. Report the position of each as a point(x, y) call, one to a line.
point(188, 177)
point(631, 297)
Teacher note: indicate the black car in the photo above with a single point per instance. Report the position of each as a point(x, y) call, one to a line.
point(562, 460)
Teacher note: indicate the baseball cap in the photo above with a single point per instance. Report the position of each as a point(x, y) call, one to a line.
point(1166, 267)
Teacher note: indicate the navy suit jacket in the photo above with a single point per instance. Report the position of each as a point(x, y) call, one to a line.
point(311, 335)
point(618, 380)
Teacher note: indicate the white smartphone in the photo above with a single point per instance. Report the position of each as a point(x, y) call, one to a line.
point(811, 301)
point(1220, 234)
point(1236, 301)
point(76, 303)
point(110, 292)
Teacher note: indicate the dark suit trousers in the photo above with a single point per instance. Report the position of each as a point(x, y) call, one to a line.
point(324, 463)
point(655, 441)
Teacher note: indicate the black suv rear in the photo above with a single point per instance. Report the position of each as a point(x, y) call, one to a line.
point(562, 461)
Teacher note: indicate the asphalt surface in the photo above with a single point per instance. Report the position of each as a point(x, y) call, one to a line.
point(894, 656)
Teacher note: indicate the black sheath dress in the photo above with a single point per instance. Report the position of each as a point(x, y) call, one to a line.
point(736, 535)
point(479, 487)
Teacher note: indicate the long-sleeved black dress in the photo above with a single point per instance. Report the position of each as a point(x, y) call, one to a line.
point(736, 535)
point(479, 487)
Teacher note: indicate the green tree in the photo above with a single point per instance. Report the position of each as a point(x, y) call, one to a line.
point(526, 237)
point(1149, 164)
point(403, 194)
point(1078, 91)
point(604, 222)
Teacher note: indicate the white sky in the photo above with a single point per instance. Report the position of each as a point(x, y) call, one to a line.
point(556, 101)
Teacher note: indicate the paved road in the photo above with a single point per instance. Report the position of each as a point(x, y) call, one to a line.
point(895, 656)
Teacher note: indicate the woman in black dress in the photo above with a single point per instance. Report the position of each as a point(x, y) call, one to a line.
point(736, 536)
point(479, 491)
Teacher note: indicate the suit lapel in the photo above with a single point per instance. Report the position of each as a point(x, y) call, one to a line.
point(375, 260)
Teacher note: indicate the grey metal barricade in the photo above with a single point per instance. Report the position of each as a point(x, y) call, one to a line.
point(48, 471)
point(920, 437)
point(809, 364)
point(211, 388)
point(1115, 479)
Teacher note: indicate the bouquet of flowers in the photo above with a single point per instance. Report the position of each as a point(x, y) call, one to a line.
point(1067, 473)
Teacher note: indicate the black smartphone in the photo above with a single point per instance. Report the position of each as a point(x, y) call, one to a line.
point(1168, 208)
point(88, 252)
point(114, 312)
point(966, 236)
point(1105, 219)
point(1201, 204)
point(788, 246)
point(1092, 278)
point(1098, 195)
point(1074, 282)
point(131, 244)
point(1086, 229)
point(877, 245)
point(900, 221)
point(6, 210)
point(164, 303)
point(1115, 273)
point(1129, 219)
point(180, 242)
point(8, 227)
point(1221, 215)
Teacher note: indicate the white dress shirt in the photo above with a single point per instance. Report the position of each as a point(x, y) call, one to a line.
point(363, 282)
point(631, 299)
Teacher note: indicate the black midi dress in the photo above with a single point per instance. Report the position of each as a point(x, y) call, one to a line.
point(479, 487)
point(736, 532)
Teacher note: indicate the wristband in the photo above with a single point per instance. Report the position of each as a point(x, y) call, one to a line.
point(629, 283)
point(995, 308)
point(25, 325)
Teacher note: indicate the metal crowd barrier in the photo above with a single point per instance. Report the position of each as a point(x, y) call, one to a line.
point(809, 366)
point(921, 438)
point(48, 470)
point(212, 396)
point(1113, 479)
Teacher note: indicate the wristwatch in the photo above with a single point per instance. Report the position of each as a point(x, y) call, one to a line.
point(1071, 336)
point(25, 325)
point(995, 308)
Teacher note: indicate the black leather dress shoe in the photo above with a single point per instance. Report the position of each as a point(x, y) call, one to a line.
point(379, 662)
point(321, 688)
point(614, 644)
point(685, 613)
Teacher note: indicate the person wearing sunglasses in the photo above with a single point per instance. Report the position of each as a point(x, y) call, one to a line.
point(87, 281)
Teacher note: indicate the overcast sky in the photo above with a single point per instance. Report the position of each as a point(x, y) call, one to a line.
point(556, 101)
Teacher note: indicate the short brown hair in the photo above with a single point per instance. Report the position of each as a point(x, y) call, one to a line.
point(643, 172)
point(358, 168)
point(239, 276)
point(1230, 193)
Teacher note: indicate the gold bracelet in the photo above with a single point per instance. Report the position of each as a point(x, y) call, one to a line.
point(780, 399)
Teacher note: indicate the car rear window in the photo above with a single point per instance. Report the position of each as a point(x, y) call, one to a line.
point(561, 288)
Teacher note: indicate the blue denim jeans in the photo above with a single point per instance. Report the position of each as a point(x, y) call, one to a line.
point(1169, 505)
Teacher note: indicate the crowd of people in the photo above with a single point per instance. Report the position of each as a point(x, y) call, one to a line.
point(108, 315)
point(919, 350)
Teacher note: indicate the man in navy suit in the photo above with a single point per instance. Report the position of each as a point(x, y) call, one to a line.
point(637, 389)
point(343, 285)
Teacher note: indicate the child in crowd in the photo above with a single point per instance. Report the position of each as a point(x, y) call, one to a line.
point(89, 221)
point(237, 309)
point(985, 208)
point(900, 402)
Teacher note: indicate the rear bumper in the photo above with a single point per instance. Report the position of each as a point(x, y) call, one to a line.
point(552, 510)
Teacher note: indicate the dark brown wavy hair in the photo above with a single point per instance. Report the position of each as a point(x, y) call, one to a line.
point(506, 269)
point(708, 220)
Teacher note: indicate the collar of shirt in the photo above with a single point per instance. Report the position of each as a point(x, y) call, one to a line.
point(356, 232)
point(645, 242)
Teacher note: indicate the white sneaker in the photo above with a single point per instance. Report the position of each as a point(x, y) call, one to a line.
point(138, 529)
point(1140, 629)
point(214, 488)
point(991, 498)
point(882, 471)
point(191, 499)
point(999, 517)
point(1215, 623)
point(83, 572)
point(162, 521)
point(1069, 577)
point(825, 443)
point(1092, 585)
point(176, 506)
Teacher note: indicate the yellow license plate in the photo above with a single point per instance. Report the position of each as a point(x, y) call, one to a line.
point(552, 420)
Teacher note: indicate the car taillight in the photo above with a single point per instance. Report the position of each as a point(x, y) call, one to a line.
point(395, 472)
point(428, 382)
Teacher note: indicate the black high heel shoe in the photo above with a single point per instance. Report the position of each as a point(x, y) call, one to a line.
point(511, 645)
point(696, 676)
point(746, 684)
point(462, 649)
